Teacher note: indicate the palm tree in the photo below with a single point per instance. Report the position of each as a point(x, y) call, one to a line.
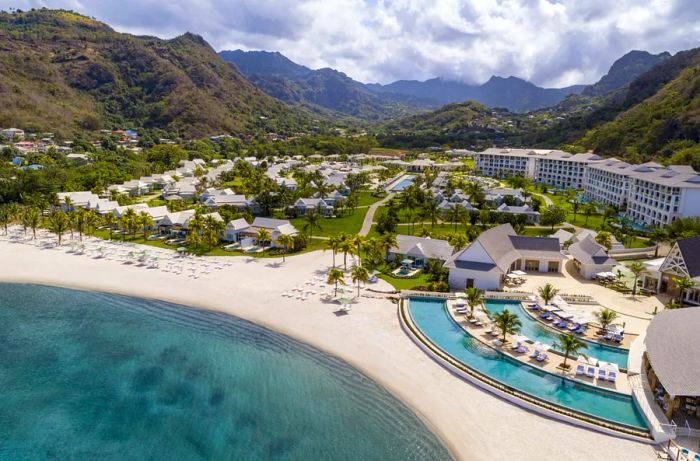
point(287, 242)
point(129, 221)
point(458, 241)
point(507, 322)
point(606, 317)
point(588, 209)
point(359, 274)
point(213, 228)
point(570, 344)
point(336, 276)
point(604, 238)
point(547, 292)
point(5, 216)
point(637, 268)
point(358, 240)
point(455, 214)
point(263, 236)
point(312, 222)
point(431, 211)
point(474, 298)
point(683, 284)
point(110, 221)
point(333, 244)
point(345, 247)
point(144, 221)
point(32, 215)
point(388, 241)
point(195, 225)
point(58, 224)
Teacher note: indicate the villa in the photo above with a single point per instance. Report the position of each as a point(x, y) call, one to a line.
point(76, 199)
point(420, 250)
point(533, 217)
point(682, 261)
point(590, 257)
point(497, 251)
point(239, 229)
point(671, 363)
point(304, 205)
point(215, 198)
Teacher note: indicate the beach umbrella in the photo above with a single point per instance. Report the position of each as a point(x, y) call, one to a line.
point(592, 361)
point(582, 359)
point(520, 338)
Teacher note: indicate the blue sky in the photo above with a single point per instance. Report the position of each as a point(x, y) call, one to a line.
point(549, 42)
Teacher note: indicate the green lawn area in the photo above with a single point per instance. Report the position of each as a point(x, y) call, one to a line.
point(350, 224)
point(156, 202)
point(404, 284)
point(365, 198)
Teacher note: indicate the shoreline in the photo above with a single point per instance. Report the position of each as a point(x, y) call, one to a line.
point(468, 421)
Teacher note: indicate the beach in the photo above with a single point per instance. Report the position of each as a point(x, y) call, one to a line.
point(473, 424)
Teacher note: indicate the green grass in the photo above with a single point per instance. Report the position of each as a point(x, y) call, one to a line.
point(404, 284)
point(349, 224)
point(365, 198)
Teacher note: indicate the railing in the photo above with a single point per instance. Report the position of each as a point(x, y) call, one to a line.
point(519, 295)
point(632, 252)
point(426, 294)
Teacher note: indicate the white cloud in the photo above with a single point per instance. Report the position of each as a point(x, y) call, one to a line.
point(550, 42)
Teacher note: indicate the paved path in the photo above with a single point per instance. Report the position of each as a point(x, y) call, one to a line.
point(369, 217)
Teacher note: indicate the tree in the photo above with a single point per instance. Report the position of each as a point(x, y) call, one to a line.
point(5, 216)
point(213, 228)
point(58, 224)
point(431, 211)
point(588, 209)
point(263, 236)
point(455, 213)
point(606, 317)
point(195, 225)
point(570, 344)
point(474, 298)
point(637, 268)
point(458, 241)
point(110, 221)
point(312, 221)
point(359, 274)
point(144, 221)
point(345, 246)
point(547, 292)
point(32, 217)
point(552, 215)
point(604, 238)
point(507, 322)
point(388, 241)
point(358, 240)
point(683, 284)
point(287, 242)
point(130, 222)
point(333, 244)
point(336, 276)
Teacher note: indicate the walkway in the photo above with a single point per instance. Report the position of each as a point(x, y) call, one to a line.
point(369, 217)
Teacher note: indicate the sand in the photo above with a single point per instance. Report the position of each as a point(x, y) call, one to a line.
point(474, 424)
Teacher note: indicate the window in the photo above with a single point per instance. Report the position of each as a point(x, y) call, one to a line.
point(553, 266)
point(470, 283)
point(532, 265)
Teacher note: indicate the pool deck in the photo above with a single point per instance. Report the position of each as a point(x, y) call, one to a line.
point(552, 365)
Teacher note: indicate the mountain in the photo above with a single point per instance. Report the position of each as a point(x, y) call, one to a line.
point(624, 70)
point(654, 116)
point(63, 72)
point(512, 93)
point(320, 90)
point(264, 63)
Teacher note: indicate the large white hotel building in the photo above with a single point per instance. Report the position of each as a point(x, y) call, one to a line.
point(650, 193)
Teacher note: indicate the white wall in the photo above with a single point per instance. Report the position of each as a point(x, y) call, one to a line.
point(482, 280)
point(690, 202)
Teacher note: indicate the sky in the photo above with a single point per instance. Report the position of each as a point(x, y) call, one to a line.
point(552, 43)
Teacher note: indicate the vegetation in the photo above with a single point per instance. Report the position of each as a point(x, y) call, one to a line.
point(336, 276)
point(683, 284)
point(569, 344)
point(474, 298)
point(547, 292)
point(606, 317)
point(507, 323)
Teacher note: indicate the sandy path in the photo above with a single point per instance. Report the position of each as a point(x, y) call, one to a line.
point(474, 424)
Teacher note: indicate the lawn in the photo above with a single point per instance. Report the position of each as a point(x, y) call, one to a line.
point(351, 223)
point(365, 198)
point(404, 284)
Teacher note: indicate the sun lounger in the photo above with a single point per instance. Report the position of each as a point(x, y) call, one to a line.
point(580, 331)
point(617, 338)
point(601, 374)
point(522, 349)
point(497, 342)
point(608, 337)
point(574, 326)
point(544, 315)
point(611, 376)
point(579, 369)
point(534, 354)
point(590, 372)
point(542, 357)
point(515, 345)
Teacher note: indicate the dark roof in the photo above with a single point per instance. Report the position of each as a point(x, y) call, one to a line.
point(523, 242)
point(473, 265)
point(690, 250)
point(588, 251)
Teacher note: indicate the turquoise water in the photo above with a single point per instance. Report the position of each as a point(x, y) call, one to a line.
point(538, 332)
point(403, 184)
point(433, 320)
point(95, 376)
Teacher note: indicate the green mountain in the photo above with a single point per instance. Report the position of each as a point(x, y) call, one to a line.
point(656, 115)
point(325, 91)
point(624, 70)
point(63, 72)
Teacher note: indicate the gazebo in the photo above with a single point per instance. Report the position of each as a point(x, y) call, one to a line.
point(672, 363)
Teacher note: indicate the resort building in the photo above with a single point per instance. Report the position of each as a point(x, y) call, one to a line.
point(304, 205)
point(682, 261)
point(533, 217)
point(420, 250)
point(672, 366)
point(239, 230)
point(69, 201)
point(215, 198)
point(567, 238)
point(497, 251)
point(590, 257)
point(607, 182)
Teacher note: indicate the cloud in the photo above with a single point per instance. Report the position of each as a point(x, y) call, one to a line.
point(549, 42)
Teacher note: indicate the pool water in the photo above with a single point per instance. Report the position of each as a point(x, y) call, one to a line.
point(538, 332)
point(94, 376)
point(405, 182)
point(432, 318)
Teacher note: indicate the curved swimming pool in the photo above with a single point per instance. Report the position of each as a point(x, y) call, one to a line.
point(538, 332)
point(89, 375)
point(431, 317)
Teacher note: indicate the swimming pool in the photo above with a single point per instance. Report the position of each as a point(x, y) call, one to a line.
point(433, 320)
point(405, 182)
point(538, 332)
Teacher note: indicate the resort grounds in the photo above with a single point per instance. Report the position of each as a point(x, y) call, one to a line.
point(474, 424)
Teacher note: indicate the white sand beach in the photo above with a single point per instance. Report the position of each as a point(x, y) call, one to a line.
point(474, 424)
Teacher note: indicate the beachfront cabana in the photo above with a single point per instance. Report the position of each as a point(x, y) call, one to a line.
point(671, 362)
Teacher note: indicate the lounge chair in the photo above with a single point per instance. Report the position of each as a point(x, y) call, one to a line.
point(534, 354)
point(497, 342)
point(574, 326)
point(617, 338)
point(522, 349)
point(590, 372)
point(580, 331)
point(515, 345)
point(608, 337)
point(542, 357)
point(601, 374)
point(611, 376)
point(579, 369)
point(544, 315)
point(461, 310)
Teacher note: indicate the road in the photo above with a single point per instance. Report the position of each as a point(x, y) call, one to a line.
point(369, 217)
